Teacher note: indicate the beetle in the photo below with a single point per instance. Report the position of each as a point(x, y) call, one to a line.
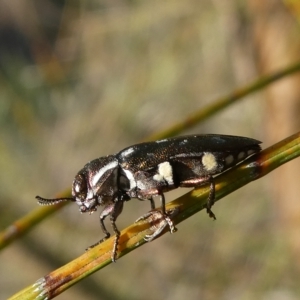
point(150, 169)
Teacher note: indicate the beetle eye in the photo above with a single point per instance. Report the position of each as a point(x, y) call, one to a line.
point(79, 187)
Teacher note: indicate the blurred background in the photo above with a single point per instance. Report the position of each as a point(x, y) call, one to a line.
point(83, 79)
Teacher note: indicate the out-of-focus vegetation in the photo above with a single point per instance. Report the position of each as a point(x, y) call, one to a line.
point(82, 79)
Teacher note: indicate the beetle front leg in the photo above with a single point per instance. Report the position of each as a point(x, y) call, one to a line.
point(106, 211)
point(118, 207)
point(113, 210)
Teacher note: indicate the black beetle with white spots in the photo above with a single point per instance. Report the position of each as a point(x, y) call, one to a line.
point(150, 169)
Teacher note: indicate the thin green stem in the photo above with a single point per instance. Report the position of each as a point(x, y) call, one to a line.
point(206, 112)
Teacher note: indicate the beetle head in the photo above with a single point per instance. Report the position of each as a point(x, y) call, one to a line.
point(94, 185)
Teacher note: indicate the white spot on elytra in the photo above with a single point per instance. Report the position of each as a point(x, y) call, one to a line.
point(241, 155)
point(158, 177)
point(100, 173)
point(165, 172)
point(249, 152)
point(229, 160)
point(209, 161)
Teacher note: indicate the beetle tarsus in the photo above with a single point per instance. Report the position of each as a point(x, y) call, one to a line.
point(158, 222)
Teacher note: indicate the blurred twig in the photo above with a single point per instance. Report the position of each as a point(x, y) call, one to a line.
point(223, 102)
point(21, 226)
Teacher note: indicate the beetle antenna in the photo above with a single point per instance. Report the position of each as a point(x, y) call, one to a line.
point(44, 201)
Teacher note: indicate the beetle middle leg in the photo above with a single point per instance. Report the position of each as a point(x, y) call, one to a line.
point(164, 215)
point(152, 203)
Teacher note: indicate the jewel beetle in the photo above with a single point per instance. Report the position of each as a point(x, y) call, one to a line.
point(150, 169)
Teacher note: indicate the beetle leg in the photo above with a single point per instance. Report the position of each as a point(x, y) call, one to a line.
point(143, 217)
point(106, 211)
point(152, 203)
point(158, 222)
point(113, 210)
point(165, 215)
point(211, 196)
point(154, 215)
